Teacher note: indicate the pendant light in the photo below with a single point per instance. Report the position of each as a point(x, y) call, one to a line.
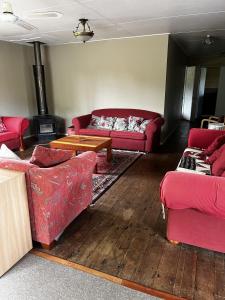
point(86, 33)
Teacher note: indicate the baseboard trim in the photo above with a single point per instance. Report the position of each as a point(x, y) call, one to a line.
point(126, 283)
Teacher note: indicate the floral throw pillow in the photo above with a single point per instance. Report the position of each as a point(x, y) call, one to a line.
point(144, 125)
point(121, 124)
point(95, 120)
point(46, 157)
point(106, 123)
point(134, 123)
point(2, 126)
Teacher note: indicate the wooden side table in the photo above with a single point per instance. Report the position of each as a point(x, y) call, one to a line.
point(15, 232)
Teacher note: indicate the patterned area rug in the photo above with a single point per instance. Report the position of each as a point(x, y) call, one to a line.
point(108, 173)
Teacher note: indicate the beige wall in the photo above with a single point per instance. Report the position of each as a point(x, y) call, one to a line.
point(176, 64)
point(16, 81)
point(115, 73)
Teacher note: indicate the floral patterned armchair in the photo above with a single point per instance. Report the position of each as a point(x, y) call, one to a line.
point(56, 195)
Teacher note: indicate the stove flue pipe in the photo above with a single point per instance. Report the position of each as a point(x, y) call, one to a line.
point(39, 78)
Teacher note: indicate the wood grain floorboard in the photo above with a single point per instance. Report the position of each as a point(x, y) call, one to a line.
point(124, 236)
point(219, 276)
point(205, 276)
point(186, 273)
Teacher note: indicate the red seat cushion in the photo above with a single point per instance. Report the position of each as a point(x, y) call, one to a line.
point(8, 135)
point(216, 144)
point(218, 166)
point(128, 135)
point(212, 158)
point(47, 157)
point(97, 132)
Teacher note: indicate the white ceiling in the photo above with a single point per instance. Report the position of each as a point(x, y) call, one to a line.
point(188, 20)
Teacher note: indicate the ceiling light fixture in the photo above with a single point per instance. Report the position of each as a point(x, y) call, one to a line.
point(86, 34)
point(7, 13)
point(44, 15)
point(208, 40)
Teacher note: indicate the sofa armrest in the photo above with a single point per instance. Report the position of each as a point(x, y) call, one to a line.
point(16, 124)
point(81, 122)
point(202, 138)
point(181, 190)
point(152, 133)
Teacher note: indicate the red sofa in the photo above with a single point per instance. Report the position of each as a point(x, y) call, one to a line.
point(56, 195)
point(196, 203)
point(13, 137)
point(147, 141)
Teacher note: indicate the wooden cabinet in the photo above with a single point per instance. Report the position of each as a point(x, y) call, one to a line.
point(15, 233)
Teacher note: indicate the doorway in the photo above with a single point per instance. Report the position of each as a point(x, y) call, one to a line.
point(200, 96)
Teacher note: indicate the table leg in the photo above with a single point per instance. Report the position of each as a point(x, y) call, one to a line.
point(109, 153)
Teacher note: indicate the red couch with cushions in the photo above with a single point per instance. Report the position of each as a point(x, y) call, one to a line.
point(13, 137)
point(57, 194)
point(196, 203)
point(147, 141)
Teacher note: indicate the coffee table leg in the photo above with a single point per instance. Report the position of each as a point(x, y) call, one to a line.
point(109, 153)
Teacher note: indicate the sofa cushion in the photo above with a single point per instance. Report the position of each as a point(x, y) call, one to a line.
point(199, 166)
point(95, 132)
point(8, 135)
point(2, 126)
point(143, 126)
point(6, 153)
point(94, 122)
point(120, 124)
point(134, 123)
point(128, 135)
point(47, 157)
point(218, 166)
point(216, 144)
point(106, 123)
point(212, 158)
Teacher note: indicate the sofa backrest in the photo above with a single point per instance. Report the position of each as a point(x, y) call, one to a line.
point(125, 112)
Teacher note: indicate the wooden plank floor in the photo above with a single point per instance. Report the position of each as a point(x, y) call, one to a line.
point(124, 235)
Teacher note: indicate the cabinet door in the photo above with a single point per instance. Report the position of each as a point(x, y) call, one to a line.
point(15, 233)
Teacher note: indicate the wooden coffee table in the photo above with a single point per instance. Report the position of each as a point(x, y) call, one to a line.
point(84, 143)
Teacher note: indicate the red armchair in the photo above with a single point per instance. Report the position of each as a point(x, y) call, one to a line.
point(56, 195)
point(13, 137)
point(196, 203)
point(147, 141)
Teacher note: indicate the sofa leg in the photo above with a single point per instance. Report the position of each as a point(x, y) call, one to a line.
point(21, 144)
point(48, 247)
point(174, 242)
